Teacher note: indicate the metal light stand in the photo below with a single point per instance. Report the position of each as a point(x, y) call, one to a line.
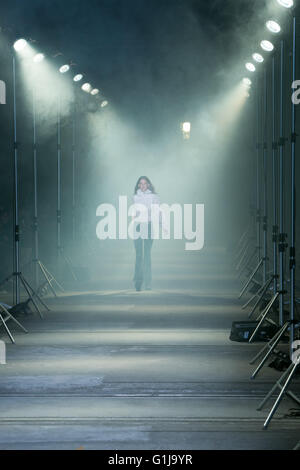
point(243, 246)
point(271, 345)
point(264, 313)
point(282, 245)
point(258, 209)
point(265, 182)
point(289, 373)
point(246, 268)
point(73, 169)
point(274, 180)
point(60, 251)
point(257, 186)
point(293, 203)
point(17, 275)
point(262, 290)
point(245, 258)
point(242, 250)
point(262, 261)
point(243, 240)
point(4, 317)
point(38, 265)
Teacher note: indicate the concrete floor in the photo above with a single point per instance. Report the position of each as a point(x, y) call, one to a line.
point(112, 368)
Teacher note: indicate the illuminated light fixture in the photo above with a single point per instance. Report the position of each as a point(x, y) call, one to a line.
point(78, 77)
point(95, 91)
point(20, 44)
point(38, 58)
point(186, 127)
point(250, 67)
point(86, 87)
point(266, 46)
point(64, 68)
point(247, 82)
point(286, 3)
point(273, 26)
point(258, 57)
point(104, 103)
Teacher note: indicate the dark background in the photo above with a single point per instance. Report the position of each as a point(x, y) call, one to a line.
point(158, 63)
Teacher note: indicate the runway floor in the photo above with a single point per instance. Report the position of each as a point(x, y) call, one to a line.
point(111, 368)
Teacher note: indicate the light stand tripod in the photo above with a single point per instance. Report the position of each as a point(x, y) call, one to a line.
point(243, 247)
point(289, 373)
point(282, 235)
point(5, 315)
point(257, 248)
point(73, 169)
point(262, 261)
point(276, 293)
point(17, 275)
point(271, 345)
point(282, 245)
point(60, 251)
point(38, 265)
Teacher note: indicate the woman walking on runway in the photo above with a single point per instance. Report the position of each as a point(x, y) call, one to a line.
point(144, 193)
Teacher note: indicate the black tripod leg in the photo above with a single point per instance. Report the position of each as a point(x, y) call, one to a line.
point(268, 345)
point(252, 298)
point(276, 385)
point(33, 293)
point(297, 447)
point(47, 279)
point(265, 288)
point(268, 308)
point(269, 352)
point(279, 398)
point(52, 277)
point(7, 330)
point(250, 278)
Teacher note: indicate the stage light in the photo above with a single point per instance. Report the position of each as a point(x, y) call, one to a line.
point(95, 91)
point(104, 103)
point(249, 66)
point(186, 127)
point(273, 26)
point(64, 68)
point(86, 87)
point(78, 77)
point(286, 3)
point(38, 58)
point(258, 57)
point(247, 82)
point(266, 46)
point(20, 44)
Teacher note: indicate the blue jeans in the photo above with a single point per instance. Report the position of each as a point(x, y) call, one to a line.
point(142, 271)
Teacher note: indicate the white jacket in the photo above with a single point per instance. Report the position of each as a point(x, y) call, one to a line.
point(146, 198)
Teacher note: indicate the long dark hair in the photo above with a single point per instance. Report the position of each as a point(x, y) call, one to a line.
point(150, 185)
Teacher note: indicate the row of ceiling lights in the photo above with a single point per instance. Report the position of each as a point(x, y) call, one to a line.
point(274, 27)
point(20, 44)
